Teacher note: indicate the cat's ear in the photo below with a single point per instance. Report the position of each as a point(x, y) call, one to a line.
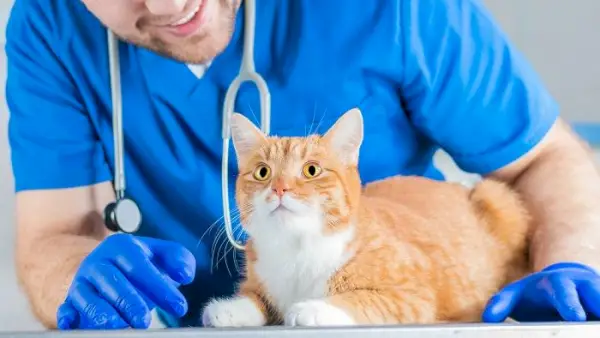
point(346, 136)
point(245, 135)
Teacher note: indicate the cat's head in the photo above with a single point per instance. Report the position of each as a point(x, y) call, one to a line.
point(299, 185)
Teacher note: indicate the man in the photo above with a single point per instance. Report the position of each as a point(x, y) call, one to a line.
point(425, 73)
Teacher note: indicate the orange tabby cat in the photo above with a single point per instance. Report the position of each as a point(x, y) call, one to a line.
point(325, 251)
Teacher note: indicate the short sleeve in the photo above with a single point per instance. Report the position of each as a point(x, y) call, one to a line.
point(53, 143)
point(468, 88)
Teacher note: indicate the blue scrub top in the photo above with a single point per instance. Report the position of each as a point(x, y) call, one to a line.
point(425, 73)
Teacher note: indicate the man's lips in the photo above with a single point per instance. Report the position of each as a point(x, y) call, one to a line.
point(187, 24)
point(188, 17)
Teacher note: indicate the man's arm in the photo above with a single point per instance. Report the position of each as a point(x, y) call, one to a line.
point(471, 91)
point(560, 182)
point(57, 160)
point(56, 230)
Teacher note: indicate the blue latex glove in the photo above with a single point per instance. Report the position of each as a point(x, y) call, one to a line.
point(561, 292)
point(123, 279)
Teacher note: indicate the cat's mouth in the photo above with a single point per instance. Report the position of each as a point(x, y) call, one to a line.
point(280, 207)
point(283, 205)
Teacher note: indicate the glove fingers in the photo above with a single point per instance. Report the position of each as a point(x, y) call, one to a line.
point(67, 316)
point(158, 288)
point(501, 305)
point(589, 292)
point(173, 258)
point(112, 285)
point(94, 311)
point(561, 292)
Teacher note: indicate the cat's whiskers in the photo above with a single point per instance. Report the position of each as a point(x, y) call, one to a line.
point(254, 115)
point(237, 266)
point(218, 237)
point(312, 122)
point(210, 227)
point(222, 238)
point(319, 124)
point(231, 249)
point(220, 223)
point(224, 245)
point(216, 247)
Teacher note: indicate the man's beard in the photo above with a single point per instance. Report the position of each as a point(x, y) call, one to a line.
point(197, 49)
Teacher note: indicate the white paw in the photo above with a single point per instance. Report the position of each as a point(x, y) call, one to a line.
point(234, 312)
point(317, 313)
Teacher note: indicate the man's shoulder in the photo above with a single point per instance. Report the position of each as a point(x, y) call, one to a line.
point(62, 39)
point(53, 23)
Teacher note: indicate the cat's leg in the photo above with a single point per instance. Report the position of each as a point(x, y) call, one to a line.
point(243, 310)
point(318, 312)
point(250, 307)
point(365, 307)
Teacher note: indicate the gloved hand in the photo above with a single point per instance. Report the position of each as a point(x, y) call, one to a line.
point(560, 292)
point(123, 279)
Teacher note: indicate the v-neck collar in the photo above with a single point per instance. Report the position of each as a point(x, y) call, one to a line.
point(199, 69)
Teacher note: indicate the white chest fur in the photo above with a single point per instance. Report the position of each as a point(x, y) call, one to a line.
point(295, 267)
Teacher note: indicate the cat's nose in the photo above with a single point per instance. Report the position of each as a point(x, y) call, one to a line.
point(280, 188)
point(279, 192)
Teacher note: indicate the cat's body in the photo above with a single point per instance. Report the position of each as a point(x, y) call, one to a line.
point(401, 250)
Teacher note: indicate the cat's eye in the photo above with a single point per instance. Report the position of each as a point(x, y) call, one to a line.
point(311, 170)
point(262, 172)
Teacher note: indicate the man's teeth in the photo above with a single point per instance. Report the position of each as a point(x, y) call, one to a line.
point(188, 17)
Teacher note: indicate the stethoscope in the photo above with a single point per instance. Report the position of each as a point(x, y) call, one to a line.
point(124, 215)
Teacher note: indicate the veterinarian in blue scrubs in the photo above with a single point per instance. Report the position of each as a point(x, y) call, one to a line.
point(427, 74)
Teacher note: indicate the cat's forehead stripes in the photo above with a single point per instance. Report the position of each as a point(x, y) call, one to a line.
point(291, 148)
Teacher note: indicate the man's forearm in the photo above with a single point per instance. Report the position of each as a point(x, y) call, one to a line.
point(562, 189)
point(46, 268)
point(56, 230)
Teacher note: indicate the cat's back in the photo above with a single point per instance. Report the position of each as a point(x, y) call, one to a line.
point(455, 240)
point(420, 218)
point(420, 194)
point(487, 225)
point(447, 212)
point(409, 201)
point(413, 226)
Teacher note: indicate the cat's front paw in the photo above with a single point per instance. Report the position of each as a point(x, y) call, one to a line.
point(234, 312)
point(317, 313)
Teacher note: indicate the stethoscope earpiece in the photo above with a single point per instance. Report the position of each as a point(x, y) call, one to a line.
point(122, 215)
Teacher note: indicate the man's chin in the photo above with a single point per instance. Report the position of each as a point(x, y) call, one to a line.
point(190, 53)
point(197, 49)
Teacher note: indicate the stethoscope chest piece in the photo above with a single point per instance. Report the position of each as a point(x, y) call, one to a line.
point(123, 215)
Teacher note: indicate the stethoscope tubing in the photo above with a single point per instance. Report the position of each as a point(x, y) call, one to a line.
point(247, 73)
